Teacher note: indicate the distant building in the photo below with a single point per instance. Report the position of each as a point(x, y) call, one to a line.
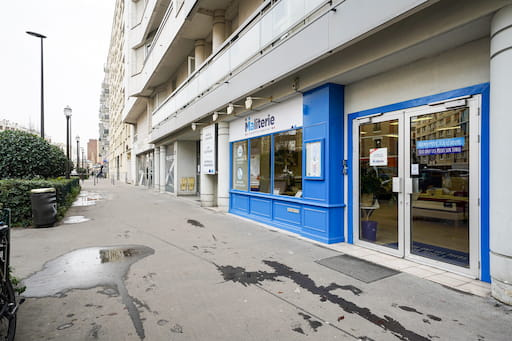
point(9, 125)
point(92, 151)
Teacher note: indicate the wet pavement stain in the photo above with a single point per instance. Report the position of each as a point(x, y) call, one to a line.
point(434, 318)
point(89, 268)
point(312, 323)
point(177, 329)
point(65, 326)
point(239, 275)
point(409, 309)
point(94, 332)
point(296, 327)
point(162, 322)
point(194, 223)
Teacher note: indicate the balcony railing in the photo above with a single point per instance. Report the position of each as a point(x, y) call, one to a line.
point(243, 45)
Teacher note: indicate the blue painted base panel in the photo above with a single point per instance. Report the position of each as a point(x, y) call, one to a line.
point(323, 224)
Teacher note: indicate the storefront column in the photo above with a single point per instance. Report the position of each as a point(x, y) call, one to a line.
point(157, 169)
point(162, 169)
point(218, 29)
point(499, 170)
point(223, 165)
point(207, 185)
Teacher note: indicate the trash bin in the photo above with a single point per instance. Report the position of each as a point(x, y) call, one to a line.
point(44, 207)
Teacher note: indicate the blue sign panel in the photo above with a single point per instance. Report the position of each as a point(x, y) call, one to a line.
point(444, 150)
point(440, 143)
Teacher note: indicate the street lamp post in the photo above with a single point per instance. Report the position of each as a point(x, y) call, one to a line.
point(77, 152)
point(38, 35)
point(67, 113)
point(83, 157)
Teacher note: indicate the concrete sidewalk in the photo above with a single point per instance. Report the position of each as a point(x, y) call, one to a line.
point(212, 276)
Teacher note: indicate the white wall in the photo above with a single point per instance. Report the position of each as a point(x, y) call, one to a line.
point(457, 68)
point(186, 165)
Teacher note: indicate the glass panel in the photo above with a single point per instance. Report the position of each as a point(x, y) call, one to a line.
point(378, 164)
point(240, 165)
point(169, 168)
point(288, 163)
point(260, 164)
point(440, 173)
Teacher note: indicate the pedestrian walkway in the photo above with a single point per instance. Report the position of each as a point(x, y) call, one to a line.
point(182, 272)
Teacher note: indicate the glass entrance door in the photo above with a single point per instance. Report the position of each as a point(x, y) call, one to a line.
point(380, 161)
point(417, 184)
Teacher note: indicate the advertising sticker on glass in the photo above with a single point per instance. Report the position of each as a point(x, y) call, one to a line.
point(378, 157)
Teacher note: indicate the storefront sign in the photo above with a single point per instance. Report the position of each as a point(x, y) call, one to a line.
point(208, 150)
point(440, 146)
point(278, 117)
point(378, 157)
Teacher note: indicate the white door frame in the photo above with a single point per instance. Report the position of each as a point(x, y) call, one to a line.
point(404, 197)
point(396, 115)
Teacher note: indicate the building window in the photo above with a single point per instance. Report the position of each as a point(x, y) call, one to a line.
point(260, 164)
point(288, 162)
point(286, 158)
point(240, 165)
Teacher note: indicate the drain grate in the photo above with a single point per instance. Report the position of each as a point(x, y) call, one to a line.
point(357, 268)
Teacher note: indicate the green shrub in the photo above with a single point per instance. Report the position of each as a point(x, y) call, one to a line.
point(25, 155)
point(15, 194)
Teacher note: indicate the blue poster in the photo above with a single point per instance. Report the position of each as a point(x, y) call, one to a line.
point(440, 146)
point(440, 143)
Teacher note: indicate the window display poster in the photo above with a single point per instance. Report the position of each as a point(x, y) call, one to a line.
point(240, 176)
point(208, 150)
point(314, 159)
point(378, 157)
point(255, 172)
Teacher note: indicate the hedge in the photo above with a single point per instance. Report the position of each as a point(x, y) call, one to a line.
point(26, 156)
point(15, 194)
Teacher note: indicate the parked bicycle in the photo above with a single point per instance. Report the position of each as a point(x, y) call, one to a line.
point(8, 304)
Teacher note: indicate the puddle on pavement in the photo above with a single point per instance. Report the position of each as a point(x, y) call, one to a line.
point(89, 268)
point(87, 199)
point(75, 219)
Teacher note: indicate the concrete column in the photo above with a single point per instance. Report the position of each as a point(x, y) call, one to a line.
point(133, 161)
point(156, 167)
point(218, 29)
point(199, 52)
point(162, 169)
point(223, 165)
point(207, 185)
point(500, 165)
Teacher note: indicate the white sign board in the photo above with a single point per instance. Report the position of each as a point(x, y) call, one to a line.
point(208, 165)
point(277, 117)
point(378, 157)
point(314, 159)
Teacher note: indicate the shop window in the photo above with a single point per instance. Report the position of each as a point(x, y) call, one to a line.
point(288, 163)
point(260, 164)
point(240, 166)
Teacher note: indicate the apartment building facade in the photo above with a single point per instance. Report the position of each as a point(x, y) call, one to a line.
point(377, 123)
point(119, 133)
point(104, 122)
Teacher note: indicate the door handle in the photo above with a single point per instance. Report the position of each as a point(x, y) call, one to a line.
point(409, 186)
point(397, 185)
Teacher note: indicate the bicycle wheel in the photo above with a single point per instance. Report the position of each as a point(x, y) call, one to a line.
point(7, 319)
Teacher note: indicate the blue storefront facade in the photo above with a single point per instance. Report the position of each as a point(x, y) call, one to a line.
point(325, 207)
point(316, 212)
